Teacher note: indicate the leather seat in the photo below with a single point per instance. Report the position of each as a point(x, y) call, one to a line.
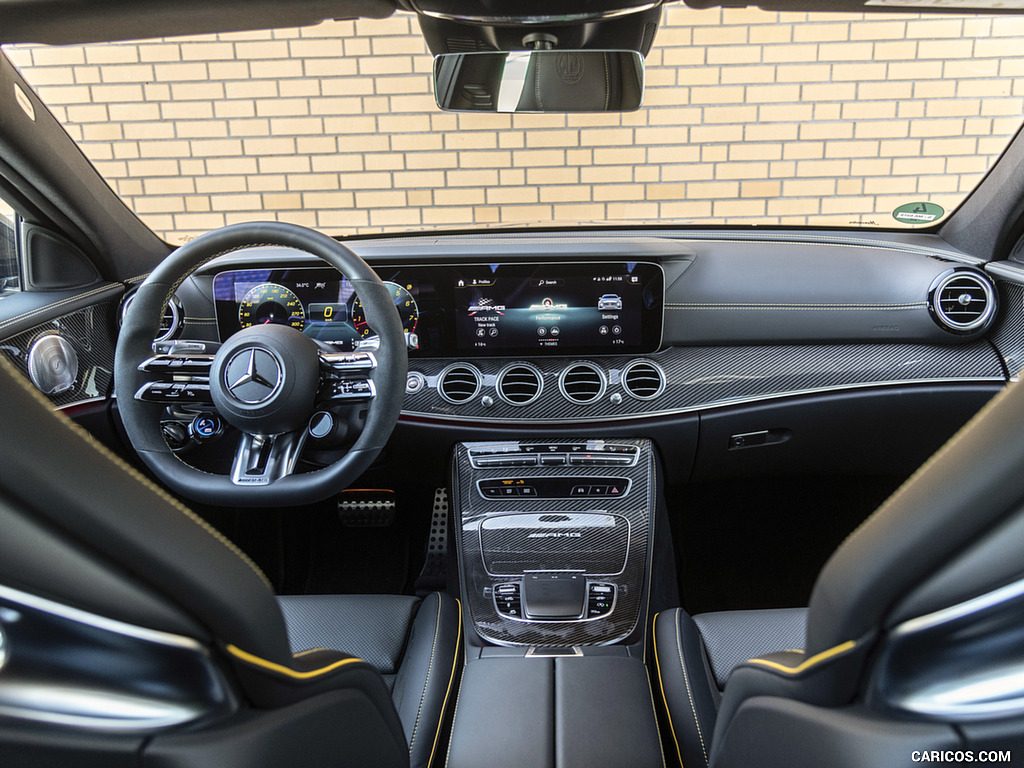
point(133, 633)
point(912, 641)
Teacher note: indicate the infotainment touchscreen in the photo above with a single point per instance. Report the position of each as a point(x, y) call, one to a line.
point(465, 310)
point(559, 309)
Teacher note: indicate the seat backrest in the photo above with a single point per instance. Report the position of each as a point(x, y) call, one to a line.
point(971, 488)
point(84, 502)
point(913, 632)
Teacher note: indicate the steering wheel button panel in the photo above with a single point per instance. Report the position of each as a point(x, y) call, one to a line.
point(353, 389)
point(176, 364)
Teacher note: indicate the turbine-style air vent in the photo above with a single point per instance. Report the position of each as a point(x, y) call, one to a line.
point(170, 321)
point(963, 301)
point(519, 384)
point(459, 383)
point(643, 379)
point(582, 383)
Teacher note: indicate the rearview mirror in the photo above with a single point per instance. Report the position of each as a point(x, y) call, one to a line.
point(539, 81)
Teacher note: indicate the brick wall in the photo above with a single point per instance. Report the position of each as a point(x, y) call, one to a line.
point(749, 117)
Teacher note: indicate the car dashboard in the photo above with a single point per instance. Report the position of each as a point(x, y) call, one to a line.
point(559, 328)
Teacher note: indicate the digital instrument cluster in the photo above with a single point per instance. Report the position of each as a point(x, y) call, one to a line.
point(470, 310)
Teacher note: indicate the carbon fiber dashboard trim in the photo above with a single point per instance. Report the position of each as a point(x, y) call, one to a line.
point(91, 333)
point(1008, 336)
point(636, 507)
point(699, 378)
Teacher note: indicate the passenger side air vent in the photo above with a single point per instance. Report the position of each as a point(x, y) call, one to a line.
point(519, 384)
point(643, 379)
point(582, 383)
point(170, 322)
point(963, 301)
point(459, 383)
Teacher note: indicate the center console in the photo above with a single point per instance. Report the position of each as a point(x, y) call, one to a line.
point(554, 539)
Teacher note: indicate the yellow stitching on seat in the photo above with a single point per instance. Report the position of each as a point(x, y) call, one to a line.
point(455, 715)
point(451, 679)
point(654, 711)
point(308, 651)
point(283, 670)
point(430, 669)
point(689, 693)
point(661, 683)
point(101, 449)
point(808, 663)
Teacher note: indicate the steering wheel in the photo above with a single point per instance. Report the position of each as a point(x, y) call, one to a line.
point(266, 380)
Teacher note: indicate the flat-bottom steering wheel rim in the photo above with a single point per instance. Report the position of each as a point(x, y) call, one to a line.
point(134, 345)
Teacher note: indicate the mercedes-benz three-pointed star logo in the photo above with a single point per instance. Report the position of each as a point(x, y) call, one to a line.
point(252, 376)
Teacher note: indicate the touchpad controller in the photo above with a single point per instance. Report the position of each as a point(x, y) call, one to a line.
point(554, 595)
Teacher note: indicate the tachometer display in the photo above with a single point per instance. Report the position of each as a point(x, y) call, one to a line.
point(271, 303)
point(404, 303)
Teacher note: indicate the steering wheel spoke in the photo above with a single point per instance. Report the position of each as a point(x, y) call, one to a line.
point(345, 377)
point(262, 459)
point(180, 379)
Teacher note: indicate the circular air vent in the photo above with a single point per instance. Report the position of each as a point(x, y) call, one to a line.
point(582, 383)
point(643, 379)
point(459, 383)
point(963, 301)
point(170, 321)
point(519, 384)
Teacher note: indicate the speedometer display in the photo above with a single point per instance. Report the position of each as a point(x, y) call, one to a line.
point(404, 303)
point(271, 303)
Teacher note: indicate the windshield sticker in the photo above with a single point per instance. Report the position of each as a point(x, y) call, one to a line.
point(24, 102)
point(993, 5)
point(918, 213)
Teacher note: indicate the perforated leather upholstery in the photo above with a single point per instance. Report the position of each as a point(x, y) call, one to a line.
point(695, 656)
point(732, 637)
point(413, 643)
point(373, 627)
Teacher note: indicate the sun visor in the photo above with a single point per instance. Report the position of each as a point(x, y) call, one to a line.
point(61, 22)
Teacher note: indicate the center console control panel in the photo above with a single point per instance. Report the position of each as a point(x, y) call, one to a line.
point(508, 600)
point(591, 453)
point(553, 487)
point(553, 538)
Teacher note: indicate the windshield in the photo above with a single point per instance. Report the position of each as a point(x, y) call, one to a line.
point(750, 117)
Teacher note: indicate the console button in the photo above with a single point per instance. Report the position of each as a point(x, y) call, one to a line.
point(552, 459)
point(507, 600)
point(505, 461)
point(600, 599)
point(527, 490)
point(581, 490)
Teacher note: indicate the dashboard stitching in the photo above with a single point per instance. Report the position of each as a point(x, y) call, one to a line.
point(797, 307)
point(698, 236)
point(49, 307)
